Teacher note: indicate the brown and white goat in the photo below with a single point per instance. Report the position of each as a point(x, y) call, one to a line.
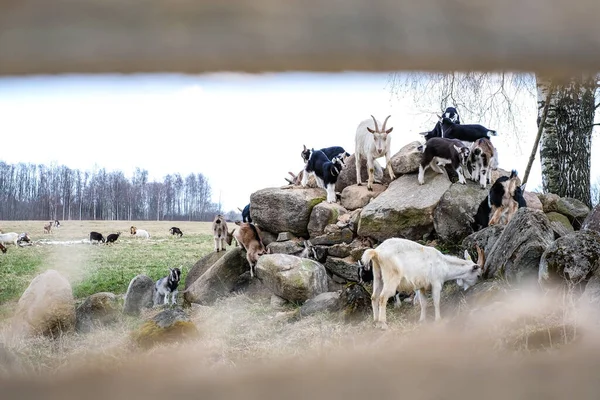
point(48, 227)
point(483, 159)
point(248, 236)
point(441, 151)
point(505, 198)
point(219, 227)
point(132, 230)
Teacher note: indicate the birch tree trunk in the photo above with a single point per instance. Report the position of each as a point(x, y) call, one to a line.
point(565, 144)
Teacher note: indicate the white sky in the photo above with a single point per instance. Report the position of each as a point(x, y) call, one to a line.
point(243, 132)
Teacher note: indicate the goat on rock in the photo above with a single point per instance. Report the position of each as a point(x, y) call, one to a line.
point(442, 151)
point(249, 238)
point(372, 143)
point(326, 172)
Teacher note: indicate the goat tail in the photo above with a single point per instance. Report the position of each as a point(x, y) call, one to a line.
point(369, 256)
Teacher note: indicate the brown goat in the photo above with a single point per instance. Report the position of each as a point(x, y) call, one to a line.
point(132, 230)
point(220, 232)
point(503, 192)
point(48, 227)
point(248, 237)
point(2, 248)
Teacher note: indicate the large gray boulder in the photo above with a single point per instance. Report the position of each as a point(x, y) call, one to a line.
point(324, 214)
point(284, 210)
point(559, 219)
point(201, 267)
point(287, 247)
point(139, 295)
point(405, 209)
point(292, 278)
point(220, 279)
point(355, 197)
point(592, 221)
point(573, 258)
point(347, 176)
point(407, 159)
point(47, 306)
point(97, 310)
point(485, 238)
point(454, 213)
point(517, 252)
point(573, 209)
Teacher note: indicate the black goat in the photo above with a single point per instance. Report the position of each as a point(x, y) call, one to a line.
point(467, 133)
point(437, 129)
point(112, 237)
point(96, 236)
point(331, 153)
point(246, 214)
point(442, 151)
point(326, 172)
point(176, 231)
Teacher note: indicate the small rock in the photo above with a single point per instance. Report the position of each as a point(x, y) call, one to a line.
point(343, 267)
point(278, 302)
point(573, 209)
point(284, 236)
point(139, 295)
point(322, 215)
point(97, 310)
point(328, 301)
point(329, 239)
point(287, 247)
point(354, 196)
point(167, 326)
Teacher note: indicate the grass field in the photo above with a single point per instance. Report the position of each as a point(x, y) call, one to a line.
point(98, 268)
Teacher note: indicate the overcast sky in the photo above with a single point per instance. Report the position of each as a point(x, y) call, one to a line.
point(244, 132)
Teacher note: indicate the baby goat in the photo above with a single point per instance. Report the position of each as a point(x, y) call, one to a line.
point(372, 144)
point(167, 285)
point(112, 237)
point(483, 158)
point(249, 238)
point(443, 151)
point(48, 227)
point(330, 152)
point(219, 227)
point(404, 265)
point(326, 172)
point(467, 133)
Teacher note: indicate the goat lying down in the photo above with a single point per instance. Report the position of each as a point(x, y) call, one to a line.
point(403, 265)
point(442, 151)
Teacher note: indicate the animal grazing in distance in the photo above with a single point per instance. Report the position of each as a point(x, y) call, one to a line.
point(403, 265)
point(139, 232)
point(175, 231)
point(48, 227)
point(372, 144)
point(167, 285)
point(219, 228)
point(113, 237)
point(23, 238)
point(9, 237)
point(248, 236)
point(444, 151)
point(56, 223)
point(96, 237)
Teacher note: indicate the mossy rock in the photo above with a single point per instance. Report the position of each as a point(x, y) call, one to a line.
point(172, 325)
point(561, 219)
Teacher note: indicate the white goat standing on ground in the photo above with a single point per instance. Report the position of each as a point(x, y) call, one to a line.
point(372, 144)
point(404, 265)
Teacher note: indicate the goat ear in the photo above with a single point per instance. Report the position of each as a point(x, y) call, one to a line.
point(389, 130)
point(370, 130)
point(523, 186)
point(456, 147)
point(439, 116)
point(304, 147)
point(424, 133)
point(467, 256)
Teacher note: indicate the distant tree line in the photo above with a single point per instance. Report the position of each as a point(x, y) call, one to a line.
point(38, 192)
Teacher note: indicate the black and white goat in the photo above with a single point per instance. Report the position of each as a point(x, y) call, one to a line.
point(502, 201)
point(466, 133)
point(167, 285)
point(175, 231)
point(331, 153)
point(441, 151)
point(326, 172)
point(437, 129)
point(483, 159)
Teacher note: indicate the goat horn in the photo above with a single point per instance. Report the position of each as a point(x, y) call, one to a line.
point(480, 257)
point(385, 122)
point(376, 126)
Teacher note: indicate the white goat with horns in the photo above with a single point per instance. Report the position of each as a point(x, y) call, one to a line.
point(372, 144)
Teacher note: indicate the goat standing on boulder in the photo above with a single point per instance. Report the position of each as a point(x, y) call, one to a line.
point(246, 213)
point(403, 265)
point(467, 133)
point(484, 159)
point(326, 172)
point(372, 144)
point(220, 232)
point(450, 113)
point(443, 151)
point(249, 238)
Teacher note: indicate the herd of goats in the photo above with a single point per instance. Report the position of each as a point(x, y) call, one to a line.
point(397, 265)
